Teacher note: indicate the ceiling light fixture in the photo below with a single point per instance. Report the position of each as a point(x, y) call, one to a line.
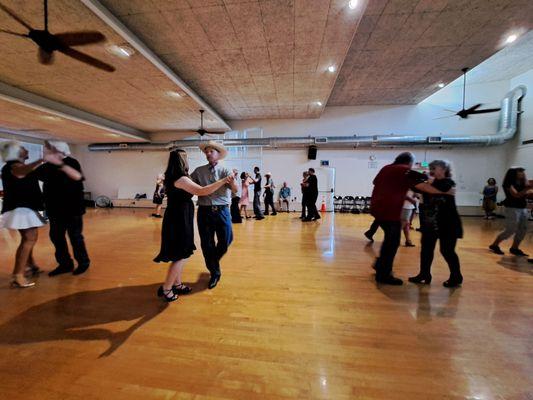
point(331, 68)
point(441, 85)
point(352, 4)
point(122, 51)
point(511, 38)
point(176, 95)
point(113, 135)
point(318, 103)
point(51, 118)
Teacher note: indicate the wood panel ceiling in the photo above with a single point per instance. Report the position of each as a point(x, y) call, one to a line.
point(404, 48)
point(135, 94)
point(26, 121)
point(249, 58)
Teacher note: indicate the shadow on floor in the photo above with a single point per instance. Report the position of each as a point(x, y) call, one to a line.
point(518, 264)
point(75, 316)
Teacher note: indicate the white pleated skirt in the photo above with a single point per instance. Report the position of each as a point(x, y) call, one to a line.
point(21, 218)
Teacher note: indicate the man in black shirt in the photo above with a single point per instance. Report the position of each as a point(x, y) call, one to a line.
point(64, 204)
point(312, 196)
point(257, 195)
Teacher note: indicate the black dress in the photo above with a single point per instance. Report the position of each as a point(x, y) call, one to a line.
point(177, 233)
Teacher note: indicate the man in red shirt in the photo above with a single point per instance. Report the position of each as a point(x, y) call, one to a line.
point(390, 188)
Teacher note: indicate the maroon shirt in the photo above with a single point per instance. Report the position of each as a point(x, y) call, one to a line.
point(390, 188)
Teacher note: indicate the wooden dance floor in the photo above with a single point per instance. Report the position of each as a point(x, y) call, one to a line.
point(296, 316)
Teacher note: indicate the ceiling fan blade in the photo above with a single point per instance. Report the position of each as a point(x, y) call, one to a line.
point(80, 38)
point(87, 59)
point(45, 57)
point(473, 108)
point(485, 111)
point(447, 116)
point(15, 17)
point(13, 33)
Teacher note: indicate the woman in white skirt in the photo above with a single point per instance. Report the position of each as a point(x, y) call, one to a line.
point(22, 203)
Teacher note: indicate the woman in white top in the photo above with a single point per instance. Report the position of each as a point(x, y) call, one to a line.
point(409, 206)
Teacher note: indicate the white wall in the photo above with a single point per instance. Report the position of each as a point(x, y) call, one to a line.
point(106, 173)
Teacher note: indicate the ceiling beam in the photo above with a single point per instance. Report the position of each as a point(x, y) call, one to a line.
point(110, 19)
point(40, 103)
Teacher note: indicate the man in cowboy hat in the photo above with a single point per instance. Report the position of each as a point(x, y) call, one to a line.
point(214, 218)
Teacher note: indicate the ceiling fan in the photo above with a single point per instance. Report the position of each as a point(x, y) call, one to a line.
point(202, 131)
point(49, 43)
point(464, 113)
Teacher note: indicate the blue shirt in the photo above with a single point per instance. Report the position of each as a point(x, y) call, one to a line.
point(206, 175)
point(285, 192)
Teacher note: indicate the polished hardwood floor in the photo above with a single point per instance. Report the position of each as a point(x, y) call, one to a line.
point(296, 316)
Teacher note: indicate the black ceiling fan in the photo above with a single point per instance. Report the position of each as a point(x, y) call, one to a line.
point(464, 113)
point(202, 131)
point(49, 43)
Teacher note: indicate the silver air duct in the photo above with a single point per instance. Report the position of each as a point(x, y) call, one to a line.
point(508, 125)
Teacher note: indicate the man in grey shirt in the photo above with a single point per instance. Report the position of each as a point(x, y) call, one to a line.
point(214, 218)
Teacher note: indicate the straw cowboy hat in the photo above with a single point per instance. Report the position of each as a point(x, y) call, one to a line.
point(214, 145)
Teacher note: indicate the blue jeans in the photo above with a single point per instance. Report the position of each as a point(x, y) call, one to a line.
point(214, 221)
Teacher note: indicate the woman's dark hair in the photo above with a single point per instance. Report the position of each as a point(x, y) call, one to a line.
point(491, 180)
point(176, 168)
point(404, 158)
point(243, 175)
point(511, 176)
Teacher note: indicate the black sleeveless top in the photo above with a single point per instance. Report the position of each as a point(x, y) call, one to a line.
point(20, 192)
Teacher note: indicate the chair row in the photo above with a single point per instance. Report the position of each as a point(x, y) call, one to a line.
point(351, 204)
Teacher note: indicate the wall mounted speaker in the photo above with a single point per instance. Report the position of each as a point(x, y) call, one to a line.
point(311, 153)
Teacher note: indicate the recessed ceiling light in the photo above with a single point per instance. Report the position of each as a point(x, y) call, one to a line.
point(122, 51)
point(51, 118)
point(113, 135)
point(511, 38)
point(318, 103)
point(441, 85)
point(176, 95)
point(352, 4)
point(331, 68)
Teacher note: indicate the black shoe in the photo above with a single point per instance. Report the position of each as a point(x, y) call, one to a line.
point(274, 213)
point(389, 280)
point(426, 279)
point(307, 219)
point(368, 236)
point(517, 252)
point(213, 281)
point(496, 249)
point(181, 289)
point(453, 282)
point(168, 295)
point(530, 260)
point(317, 218)
point(266, 213)
point(81, 269)
point(60, 269)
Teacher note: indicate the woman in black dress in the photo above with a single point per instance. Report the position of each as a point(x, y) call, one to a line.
point(177, 234)
point(441, 222)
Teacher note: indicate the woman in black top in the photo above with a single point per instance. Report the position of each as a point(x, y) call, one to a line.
point(516, 192)
point(177, 234)
point(441, 222)
point(22, 202)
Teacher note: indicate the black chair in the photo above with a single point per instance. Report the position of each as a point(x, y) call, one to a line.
point(337, 203)
point(347, 204)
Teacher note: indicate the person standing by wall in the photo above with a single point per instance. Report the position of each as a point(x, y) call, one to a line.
point(257, 194)
point(245, 196)
point(65, 207)
point(269, 194)
point(312, 196)
point(159, 195)
point(284, 196)
point(490, 192)
point(214, 218)
point(235, 199)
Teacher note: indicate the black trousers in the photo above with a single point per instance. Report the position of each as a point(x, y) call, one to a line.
point(269, 202)
point(447, 249)
point(373, 228)
point(73, 226)
point(389, 247)
point(257, 205)
point(304, 205)
point(312, 212)
point(234, 210)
